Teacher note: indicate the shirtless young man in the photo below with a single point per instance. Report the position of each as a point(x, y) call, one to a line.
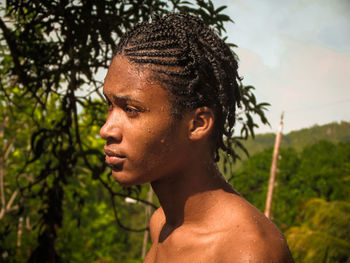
point(172, 91)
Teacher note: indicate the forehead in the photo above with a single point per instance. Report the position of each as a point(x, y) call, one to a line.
point(122, 71)
point(125, 78)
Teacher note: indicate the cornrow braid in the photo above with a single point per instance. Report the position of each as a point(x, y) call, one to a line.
point(196, 66)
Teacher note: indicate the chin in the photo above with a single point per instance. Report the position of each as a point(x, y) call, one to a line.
point(125, 180)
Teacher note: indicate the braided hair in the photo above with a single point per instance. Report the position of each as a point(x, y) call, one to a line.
point(196, 66)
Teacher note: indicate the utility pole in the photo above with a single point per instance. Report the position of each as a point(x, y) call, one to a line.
point(273, 169)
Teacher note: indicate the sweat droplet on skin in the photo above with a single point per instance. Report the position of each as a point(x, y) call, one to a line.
point(162, 141)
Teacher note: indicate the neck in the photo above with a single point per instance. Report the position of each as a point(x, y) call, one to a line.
point(186, 197)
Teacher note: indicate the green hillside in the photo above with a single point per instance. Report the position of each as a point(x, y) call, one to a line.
point(311, 200)
point(333, 132)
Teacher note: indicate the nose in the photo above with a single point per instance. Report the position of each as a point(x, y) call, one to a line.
point(111, 130)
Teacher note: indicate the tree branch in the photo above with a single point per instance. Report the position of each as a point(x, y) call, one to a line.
point(14, 53)
point(13, 196)
point(120, 224)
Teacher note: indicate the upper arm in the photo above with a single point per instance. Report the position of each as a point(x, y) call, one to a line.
point(256, 239)
point(156, 223)
point(258, 250)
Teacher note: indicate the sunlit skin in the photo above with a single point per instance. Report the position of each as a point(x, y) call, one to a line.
point(143, 140)
point(201, 219)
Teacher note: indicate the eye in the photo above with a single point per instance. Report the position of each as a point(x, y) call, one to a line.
point(131, 110)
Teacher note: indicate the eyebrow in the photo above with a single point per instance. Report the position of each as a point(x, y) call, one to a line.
point(117, 98)
point(124, 98)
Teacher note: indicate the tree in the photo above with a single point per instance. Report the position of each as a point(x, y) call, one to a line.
point(324, 171)
point(320, 171)
point(52, 55)
point(324, 233)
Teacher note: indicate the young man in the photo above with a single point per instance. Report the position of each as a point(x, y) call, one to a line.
point(172, 91)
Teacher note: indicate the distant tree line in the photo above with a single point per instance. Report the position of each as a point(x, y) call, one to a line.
point(311, 202)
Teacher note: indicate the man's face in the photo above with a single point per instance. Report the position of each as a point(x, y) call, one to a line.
point(143, 141)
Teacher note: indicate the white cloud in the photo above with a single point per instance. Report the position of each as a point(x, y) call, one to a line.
point(297, 55)
point(310, 84)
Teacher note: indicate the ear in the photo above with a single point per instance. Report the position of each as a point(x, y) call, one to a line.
point(201, 123)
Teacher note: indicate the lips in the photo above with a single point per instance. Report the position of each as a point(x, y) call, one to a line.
point(114, 159)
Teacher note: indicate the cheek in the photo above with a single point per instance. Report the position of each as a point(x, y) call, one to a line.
point(153, 145)
point(156, 143)
point(167, 149)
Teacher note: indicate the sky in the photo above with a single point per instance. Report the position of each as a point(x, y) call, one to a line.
point(296, 54)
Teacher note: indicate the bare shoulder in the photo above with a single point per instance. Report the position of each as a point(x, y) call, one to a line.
point(156, 223)
point(251, 236)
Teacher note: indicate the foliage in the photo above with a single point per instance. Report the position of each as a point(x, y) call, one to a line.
point(334, 132)
point(319, 171)
point(63, 201)
point(324, 235)
point(311, 199)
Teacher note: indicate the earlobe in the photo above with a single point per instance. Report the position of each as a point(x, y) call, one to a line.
point(201, 123)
